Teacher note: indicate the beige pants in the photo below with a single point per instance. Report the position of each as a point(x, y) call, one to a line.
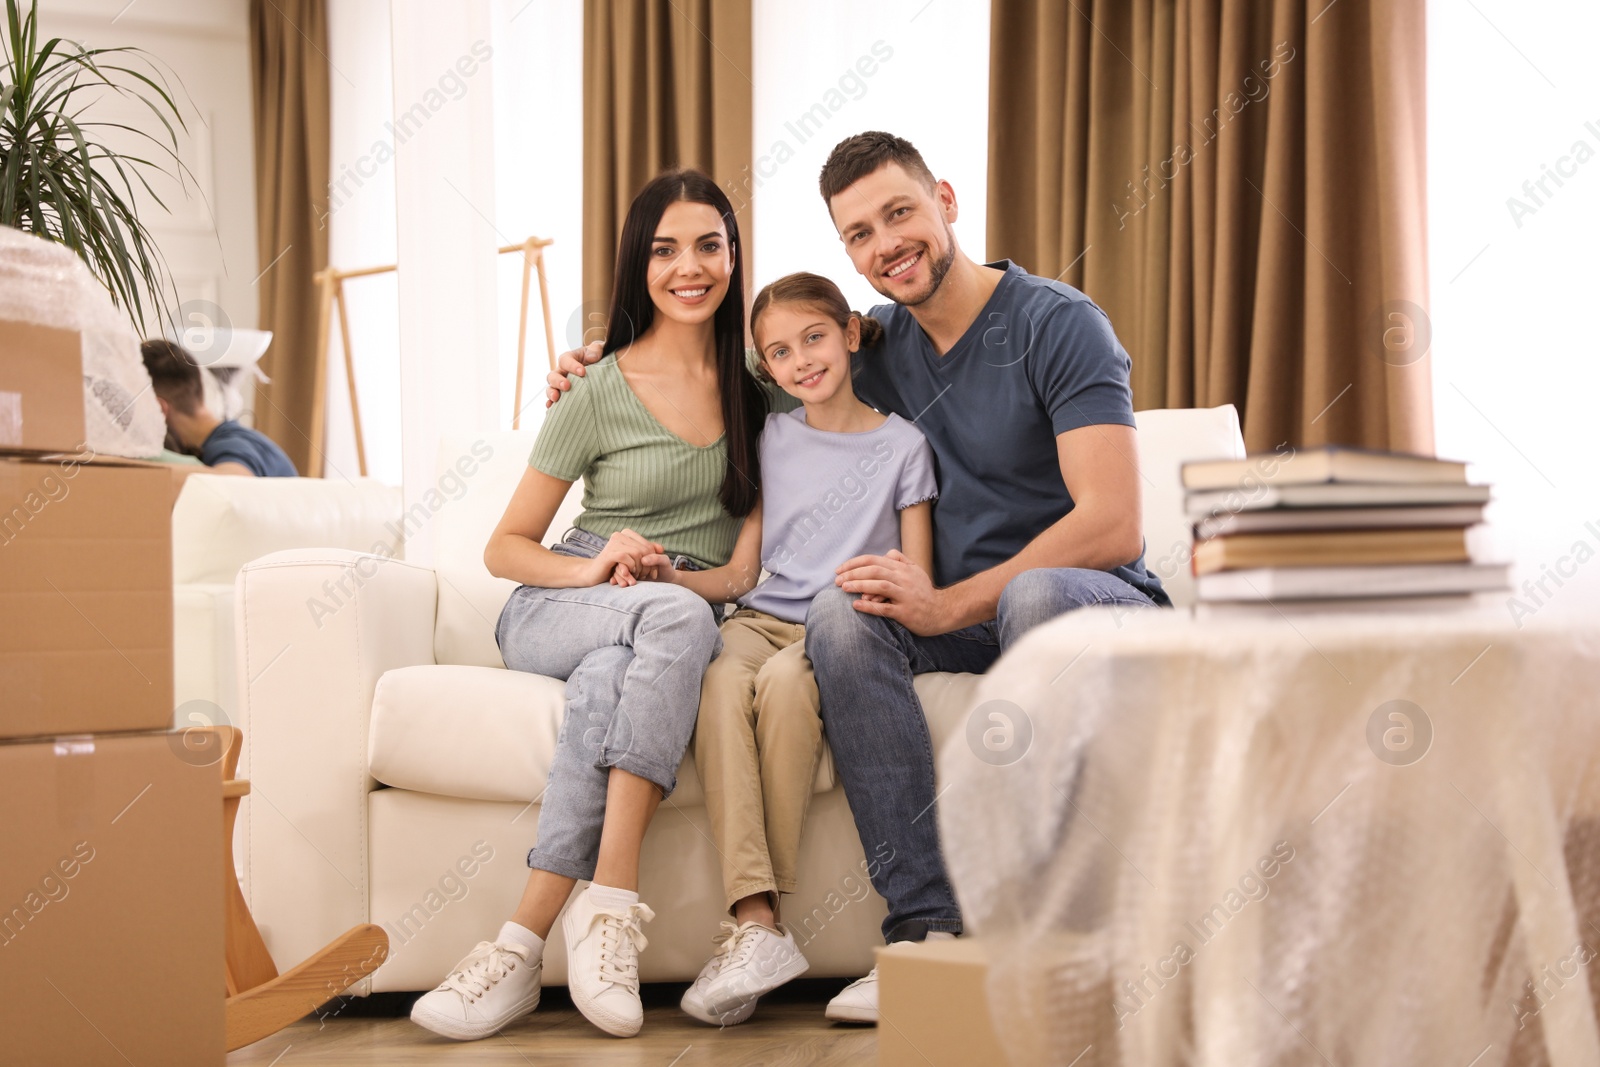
point(756, 746)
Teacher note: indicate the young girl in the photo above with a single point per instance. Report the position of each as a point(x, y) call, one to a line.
point(839, 480)
point(663, 433)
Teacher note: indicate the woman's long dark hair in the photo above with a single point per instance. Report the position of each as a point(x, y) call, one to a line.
point(744, 406)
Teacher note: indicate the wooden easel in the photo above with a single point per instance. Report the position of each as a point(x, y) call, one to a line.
point(260, 1001)
point(330, 286)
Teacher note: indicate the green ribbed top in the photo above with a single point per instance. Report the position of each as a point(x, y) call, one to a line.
point(636, 473)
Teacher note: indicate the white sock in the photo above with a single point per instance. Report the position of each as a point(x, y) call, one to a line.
point(940, 935)
point(606, 896)
point(517, 934)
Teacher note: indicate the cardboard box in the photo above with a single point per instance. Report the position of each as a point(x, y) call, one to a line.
point(935, 1009)
point(111, 906)
point(41, 388)
point(85, 597)
point(933, 1006)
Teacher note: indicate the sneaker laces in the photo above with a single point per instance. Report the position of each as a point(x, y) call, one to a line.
point(739, 943)
point(484, 966)
point(725, 943)
point(621, 939)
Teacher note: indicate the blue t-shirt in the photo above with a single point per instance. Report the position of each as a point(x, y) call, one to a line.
point(1041, 359)
point(233, 443)
point(827, 497)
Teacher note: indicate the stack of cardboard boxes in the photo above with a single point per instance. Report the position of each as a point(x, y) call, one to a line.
point(111, 852)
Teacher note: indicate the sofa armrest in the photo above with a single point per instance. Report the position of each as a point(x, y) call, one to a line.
point(316, 629)
point(202, 643)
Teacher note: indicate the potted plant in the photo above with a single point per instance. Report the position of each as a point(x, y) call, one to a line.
point(59, 181)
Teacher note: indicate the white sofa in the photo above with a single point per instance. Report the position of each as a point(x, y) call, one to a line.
point(219, 524)
point(397, 765)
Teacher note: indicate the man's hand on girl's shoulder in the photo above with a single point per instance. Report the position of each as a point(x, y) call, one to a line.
point(571, 363)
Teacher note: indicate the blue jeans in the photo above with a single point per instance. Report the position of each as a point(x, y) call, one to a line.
point(875, 726)
point(632, 659)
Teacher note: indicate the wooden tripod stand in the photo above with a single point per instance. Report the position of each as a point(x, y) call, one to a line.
point(260, 1000)
point(330, 292)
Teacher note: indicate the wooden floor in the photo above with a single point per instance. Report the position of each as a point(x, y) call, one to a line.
point(787, 1030)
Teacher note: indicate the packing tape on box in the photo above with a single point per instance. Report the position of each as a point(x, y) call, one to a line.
point(10, 420)
point(75, 787)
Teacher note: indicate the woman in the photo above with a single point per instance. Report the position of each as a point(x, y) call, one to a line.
point(663, 432)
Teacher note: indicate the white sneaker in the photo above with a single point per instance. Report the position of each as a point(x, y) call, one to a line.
point(694, 1002)
point(494, 986)
point(757, 961)
point(858, 1001)
point(603, 962)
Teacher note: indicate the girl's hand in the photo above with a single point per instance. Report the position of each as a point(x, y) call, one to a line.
point(625, 549)
point(657, 567)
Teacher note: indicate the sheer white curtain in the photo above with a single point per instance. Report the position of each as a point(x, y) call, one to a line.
point(1514, 203)
point(361, 233)
point(826, 70)
point(446, 237)
point(538, 104)
point(517, 67)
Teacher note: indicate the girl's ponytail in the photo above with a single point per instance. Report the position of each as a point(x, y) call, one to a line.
point(871, 329)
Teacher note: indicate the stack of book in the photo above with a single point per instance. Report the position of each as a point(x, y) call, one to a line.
point(1335, 528)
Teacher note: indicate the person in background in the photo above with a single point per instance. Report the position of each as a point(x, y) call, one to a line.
point(222, 444)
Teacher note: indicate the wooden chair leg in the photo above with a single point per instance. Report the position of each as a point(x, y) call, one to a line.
point(264, 1010)
point(260, 1001)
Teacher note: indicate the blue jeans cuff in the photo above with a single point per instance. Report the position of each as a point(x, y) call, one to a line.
point(919, 929)
point(665, 778)
point(565, 866)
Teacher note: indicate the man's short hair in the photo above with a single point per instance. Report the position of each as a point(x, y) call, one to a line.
point(856, 157)
point(174, 374)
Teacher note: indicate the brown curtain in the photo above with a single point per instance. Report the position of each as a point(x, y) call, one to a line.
point(665, 83)
point(1240, 184)
point(289, 81)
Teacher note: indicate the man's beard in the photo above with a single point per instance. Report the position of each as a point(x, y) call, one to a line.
point(936, 273)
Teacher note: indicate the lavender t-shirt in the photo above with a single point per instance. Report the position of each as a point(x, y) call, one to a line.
point(827, 497)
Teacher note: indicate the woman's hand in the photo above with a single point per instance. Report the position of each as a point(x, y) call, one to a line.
point(625, 575)
point(624, 554)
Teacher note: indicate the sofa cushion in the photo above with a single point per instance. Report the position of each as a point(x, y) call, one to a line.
point(484, 733)
point(482, 472)
point(221, 522)
point(1169, 438)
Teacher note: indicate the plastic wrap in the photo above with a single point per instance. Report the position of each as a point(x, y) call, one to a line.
point(1356, 840)
point(45, 283)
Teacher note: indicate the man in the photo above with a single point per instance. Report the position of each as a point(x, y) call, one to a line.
point(1021, 388)
point(222, 444)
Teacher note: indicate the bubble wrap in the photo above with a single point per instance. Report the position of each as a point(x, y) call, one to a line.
point(1222, 847)
point(45, 283)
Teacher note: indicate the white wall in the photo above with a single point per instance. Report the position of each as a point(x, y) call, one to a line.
point(1514, 90)
point(208, 233)
point(929, 83)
